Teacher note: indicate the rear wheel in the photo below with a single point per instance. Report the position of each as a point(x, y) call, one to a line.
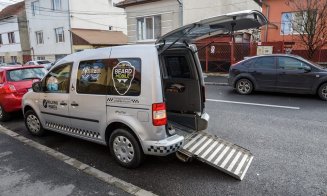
point(125, 148)
point(33, 123)
point(4, 116)
point(322, 92)
point(244, 86)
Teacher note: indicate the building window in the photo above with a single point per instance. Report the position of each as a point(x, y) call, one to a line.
point(148, 28)
point(293, 22)
point(35, 7)
point(13, 59)
point(2, 59)
point(39, 37)
point(56, 4)
point(11, 37)
point(40, 58)
point(60, 35)
point(1, 39)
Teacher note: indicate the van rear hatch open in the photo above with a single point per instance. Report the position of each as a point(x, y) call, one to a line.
point(183, 88)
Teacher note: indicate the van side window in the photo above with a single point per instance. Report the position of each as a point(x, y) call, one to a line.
point(57, 81)
point(125, 76)
point(177, 67)
point(92, 77)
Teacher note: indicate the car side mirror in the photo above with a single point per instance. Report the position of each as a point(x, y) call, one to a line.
point(306, 68)
point(37, 86)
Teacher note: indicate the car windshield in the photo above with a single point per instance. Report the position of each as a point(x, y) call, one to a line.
point(43, 62)
point(25, 74)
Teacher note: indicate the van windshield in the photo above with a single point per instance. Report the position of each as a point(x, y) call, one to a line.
point(25, 74)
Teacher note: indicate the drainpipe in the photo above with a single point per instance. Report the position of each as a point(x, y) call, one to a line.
point(180, 2)
point(267, 15)
point(70, 29)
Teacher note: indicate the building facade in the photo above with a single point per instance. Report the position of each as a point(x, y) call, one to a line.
point(51, 22)
point(195, 10)
point(149, 19)
point(14, 40)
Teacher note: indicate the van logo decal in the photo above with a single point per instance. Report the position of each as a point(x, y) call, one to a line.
point(123, 75)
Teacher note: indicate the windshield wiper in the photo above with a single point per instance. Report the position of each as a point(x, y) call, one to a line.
point(31, 78)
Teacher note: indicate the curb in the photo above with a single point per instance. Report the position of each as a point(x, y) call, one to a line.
point(216, 83)
point(216, 74)
point(87, 169)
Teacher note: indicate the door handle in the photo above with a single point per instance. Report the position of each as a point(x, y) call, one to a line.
point(74, 104)
point(63, 103)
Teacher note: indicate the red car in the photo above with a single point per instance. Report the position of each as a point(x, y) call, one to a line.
point(15, 81)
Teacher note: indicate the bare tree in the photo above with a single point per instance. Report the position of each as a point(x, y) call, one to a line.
point(309, 21)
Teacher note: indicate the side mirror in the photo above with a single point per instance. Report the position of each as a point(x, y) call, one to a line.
point(37, 86)
point(306, 68)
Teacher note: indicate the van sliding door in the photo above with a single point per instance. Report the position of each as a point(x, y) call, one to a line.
point(181, 88)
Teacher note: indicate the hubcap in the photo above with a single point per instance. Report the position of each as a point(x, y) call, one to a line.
point(33, 123)
point(324, 92)
point(244, 86)
point(123, 149)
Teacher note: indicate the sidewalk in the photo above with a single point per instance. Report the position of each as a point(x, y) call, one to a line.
point(27, 171)
point(216, 79)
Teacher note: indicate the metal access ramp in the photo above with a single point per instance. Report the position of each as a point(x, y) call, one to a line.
point(221, 154)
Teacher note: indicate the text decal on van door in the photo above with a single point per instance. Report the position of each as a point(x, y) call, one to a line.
point(122, 75)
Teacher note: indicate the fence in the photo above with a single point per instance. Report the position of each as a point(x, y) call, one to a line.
point(217, 56)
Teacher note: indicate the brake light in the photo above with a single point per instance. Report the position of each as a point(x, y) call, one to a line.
point(7, 89)
point(159, 116)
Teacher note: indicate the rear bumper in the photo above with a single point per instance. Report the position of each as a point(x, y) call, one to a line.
point(163, 147)
point(11, 103)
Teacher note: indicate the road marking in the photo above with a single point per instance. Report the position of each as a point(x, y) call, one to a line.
point(107, 178)
point(256, 104)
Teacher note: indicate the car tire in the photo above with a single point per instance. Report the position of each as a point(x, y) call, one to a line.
point(33, 123)
point(4, 116)
point(244, 86)
point(125, 148)
point(322, 92)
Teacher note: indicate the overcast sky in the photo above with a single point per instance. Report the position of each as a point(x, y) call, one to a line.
point(5, 3)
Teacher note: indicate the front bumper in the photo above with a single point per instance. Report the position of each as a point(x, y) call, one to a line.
point(163, 147)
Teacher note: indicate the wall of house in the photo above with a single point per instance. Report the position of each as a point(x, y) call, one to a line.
point(47, 20)
point(6, 49)
point(97, 14)
point(168, 10)
point(194, 10)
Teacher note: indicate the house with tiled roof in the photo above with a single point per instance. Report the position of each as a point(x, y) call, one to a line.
point(14, 41)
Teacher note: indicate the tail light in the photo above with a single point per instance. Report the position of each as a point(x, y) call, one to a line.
point(7, 89)
point(159, 116)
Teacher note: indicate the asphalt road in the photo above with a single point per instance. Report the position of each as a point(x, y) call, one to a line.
point(286, 133)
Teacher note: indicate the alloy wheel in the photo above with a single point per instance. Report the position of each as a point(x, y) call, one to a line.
point(324, 92)
point(244, 86)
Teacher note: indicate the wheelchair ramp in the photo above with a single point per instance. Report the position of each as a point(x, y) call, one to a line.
point(221, 154)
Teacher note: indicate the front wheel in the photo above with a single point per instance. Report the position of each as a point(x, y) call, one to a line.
point(125, 148)
point(33, 123)
point(322, 92)
point(244, 86)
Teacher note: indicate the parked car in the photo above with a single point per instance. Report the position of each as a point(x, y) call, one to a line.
point(15, 81)
point(45, 63)
point(280, 73)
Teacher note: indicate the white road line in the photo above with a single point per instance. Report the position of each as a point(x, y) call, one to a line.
point(256, 104)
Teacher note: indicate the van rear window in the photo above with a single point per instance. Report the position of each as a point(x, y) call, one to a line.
point(110, 76)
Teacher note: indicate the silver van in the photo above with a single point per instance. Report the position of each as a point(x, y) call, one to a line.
point(137, 99)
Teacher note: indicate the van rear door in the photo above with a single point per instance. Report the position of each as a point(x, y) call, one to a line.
point(183, 83)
